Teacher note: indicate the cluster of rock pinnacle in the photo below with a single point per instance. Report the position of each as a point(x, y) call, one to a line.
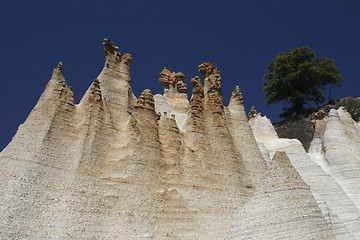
point(162, 167)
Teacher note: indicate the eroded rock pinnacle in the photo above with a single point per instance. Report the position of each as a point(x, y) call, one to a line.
point(172, 81)
point(111, 49)
point(146, 100)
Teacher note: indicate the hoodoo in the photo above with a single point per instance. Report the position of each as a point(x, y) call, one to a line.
point(164, 167)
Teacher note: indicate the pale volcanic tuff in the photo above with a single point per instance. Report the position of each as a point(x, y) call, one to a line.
point(162, 167)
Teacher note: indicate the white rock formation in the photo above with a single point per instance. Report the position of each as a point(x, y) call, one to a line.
point(164, 167)
point(341, 213)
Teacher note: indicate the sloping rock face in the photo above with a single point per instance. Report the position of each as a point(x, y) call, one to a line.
point(154, 167)
point(282, 208)
point(333, 179)
point(302, 127)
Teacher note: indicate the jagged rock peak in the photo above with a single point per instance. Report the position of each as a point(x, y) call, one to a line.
point(208, 69)
point(111, 50)
point(199, 174)
point(146, 100)
point(127, 59)
point(172, 82)
point(59, 66)
point(95, 90)
point(252, 113)
point(237, 95)
point(197, 104)
point(212, 77)
point(197, 87)
point(57, 88)
point(57, 73)
point(212, 87)
point(58, 69)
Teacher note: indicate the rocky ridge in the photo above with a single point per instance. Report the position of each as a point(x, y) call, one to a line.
point(162, 167)
point(302, 127)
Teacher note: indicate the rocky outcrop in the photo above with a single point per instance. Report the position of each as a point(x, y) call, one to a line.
point(172, 82)
point(174, 101)
point(53, 112)
point(302, 127)
point(196, 113)
point(243, 138)
point(341, 151)
point(281, 188)
point(252, 113)
point(164, 167)
point(212, 87)
point(339, 210)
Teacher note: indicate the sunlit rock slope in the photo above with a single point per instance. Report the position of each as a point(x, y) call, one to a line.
point(164, 167)
point(330, 168)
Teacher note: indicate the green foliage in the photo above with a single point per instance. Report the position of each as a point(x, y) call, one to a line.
point(298, 77)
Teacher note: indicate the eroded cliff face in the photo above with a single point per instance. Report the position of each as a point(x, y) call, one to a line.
point(156, 167)
point(330, 168)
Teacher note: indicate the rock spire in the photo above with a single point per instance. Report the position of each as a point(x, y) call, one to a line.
point(110, 50)
point(212, 87)
point(172, 82)
point(161, 167)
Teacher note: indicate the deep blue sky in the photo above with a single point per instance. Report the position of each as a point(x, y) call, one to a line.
point(240, 37)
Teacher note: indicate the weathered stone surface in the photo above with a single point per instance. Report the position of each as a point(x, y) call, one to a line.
point(196, 113)
point(174, 101)
point(282, 208)
point(340, 211)
point(341, 142)
point(302, 129)
point(252, 113)
point(172, 82)
point(163, 167)
point(212, 87)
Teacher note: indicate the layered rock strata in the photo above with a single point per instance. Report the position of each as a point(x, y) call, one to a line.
point(159, 167)
point(282, 208)
point(316, 168)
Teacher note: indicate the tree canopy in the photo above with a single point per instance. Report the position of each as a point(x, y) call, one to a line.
point(298, 77)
